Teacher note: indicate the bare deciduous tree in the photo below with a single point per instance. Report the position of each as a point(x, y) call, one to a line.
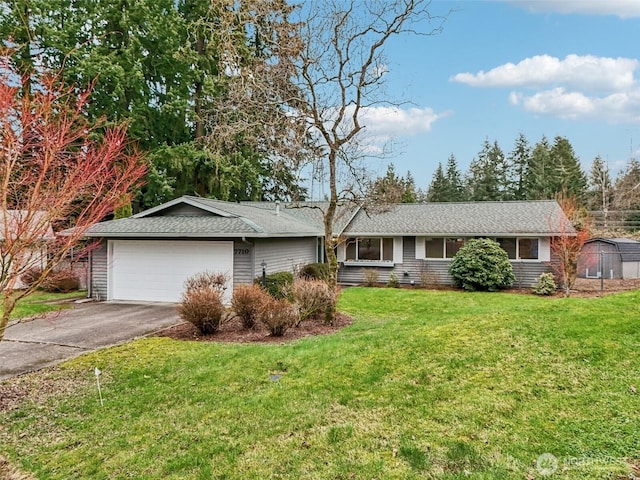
point(567, 244)
point(340, 72)
point(56, 170)
point(328, 72)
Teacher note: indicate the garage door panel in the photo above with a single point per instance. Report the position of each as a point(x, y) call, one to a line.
point(156, 270)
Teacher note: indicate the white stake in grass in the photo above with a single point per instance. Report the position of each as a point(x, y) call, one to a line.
point(97, 373)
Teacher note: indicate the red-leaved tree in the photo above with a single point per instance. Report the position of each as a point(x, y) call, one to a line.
point(59, 175)
point(568, 242)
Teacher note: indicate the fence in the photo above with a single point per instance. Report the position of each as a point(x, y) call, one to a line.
point(604, 269)
point(628, 220)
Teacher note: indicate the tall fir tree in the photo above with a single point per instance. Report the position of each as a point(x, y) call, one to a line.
point(455, 183)
point(600, 186)
point(411, 192)
point(438, 188)
point(487, 176)
point(392, 188)
point(568, 177)
point(538, 178)
point(518, 162)
point(156, 65)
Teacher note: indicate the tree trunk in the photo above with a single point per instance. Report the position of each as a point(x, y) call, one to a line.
point(329, 241)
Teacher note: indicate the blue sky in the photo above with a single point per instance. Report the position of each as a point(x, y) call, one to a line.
point(540, 67)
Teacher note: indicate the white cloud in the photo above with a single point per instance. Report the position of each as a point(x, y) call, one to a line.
point(396, 121)
point(571, 105)
point(586, 72)
point(619, 8)
point(577, 87)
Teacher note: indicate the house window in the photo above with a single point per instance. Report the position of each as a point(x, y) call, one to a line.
point(520, 248)
point(434, 247)
point(528, 248)
point(509, 246)
point(442, 247)
point(369, 249)
point(453, 245)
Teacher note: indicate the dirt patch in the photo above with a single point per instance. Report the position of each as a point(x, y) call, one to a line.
point(9, 472)
point(11, 395)
point(588, 287)
point(232, 331)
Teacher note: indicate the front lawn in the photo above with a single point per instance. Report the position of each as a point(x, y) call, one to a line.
point(41, 302)
point(424, 384)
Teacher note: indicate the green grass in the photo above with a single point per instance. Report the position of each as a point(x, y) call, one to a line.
point(423, 384)
point(40, 302)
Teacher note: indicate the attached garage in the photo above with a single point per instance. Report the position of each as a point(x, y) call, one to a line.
point(155, 270)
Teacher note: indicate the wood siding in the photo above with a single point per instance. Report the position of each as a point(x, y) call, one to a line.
point(284, 255)
point(434, 272)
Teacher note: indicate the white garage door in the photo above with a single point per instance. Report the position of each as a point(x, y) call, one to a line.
point(156, 270)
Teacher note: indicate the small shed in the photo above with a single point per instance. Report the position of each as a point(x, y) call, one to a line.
point(610, 257)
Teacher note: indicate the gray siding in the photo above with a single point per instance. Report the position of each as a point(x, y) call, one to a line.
point(183, 210)
point(243, 253)
point(434, 272)
point(284, 255)
point(279, 254)
point(98, 272)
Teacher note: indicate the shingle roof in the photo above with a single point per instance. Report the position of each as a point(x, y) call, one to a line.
point(312, 212)
point(263, 219)
point(224, 219)
point(473, 218)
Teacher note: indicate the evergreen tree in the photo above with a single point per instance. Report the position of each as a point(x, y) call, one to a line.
point(455, 184)
point(518, 162)
point(487, 176)
point(538, 177)
point(156, 64)
point(600, 186)
point(568, 177)
point(393, 189)
point(411, 193)
point(438, 188)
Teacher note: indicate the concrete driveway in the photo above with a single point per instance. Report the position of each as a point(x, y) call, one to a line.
point(38, 343)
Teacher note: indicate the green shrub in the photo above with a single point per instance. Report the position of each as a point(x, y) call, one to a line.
point(277, 284)
point(203, 308)
point(545, 284)
point(277, 315)
point(313, 299)
point(482, 265)
point(393, 281)
point(315, 271)
point(246, 303)
point(371, 277)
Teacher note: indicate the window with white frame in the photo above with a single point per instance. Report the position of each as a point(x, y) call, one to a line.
point(369, 249)
point(520, 248)
point(516, 248)
point(442, 247)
